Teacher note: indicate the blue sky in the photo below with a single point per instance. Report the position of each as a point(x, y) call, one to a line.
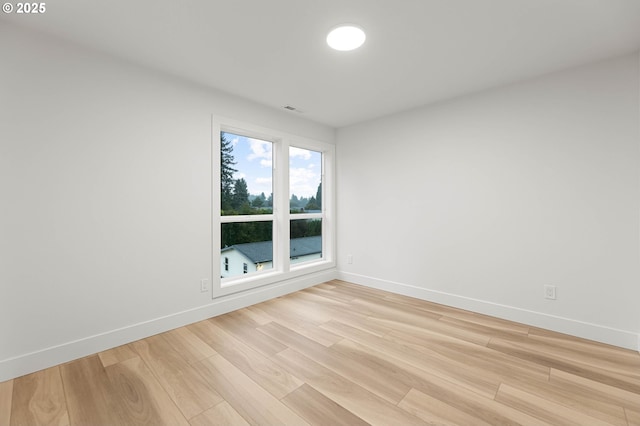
point(254, 161)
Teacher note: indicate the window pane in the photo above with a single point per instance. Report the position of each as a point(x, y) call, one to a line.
point(246, 175)
point(246, 247)
point(305, 180)
point(306, 240)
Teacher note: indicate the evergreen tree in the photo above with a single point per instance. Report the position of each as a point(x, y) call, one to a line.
point(319, 196)
point(227, 161)
point(305, 228)
point(259, 201)
point(240, 196)
point(312, 204)
point(293, 202)
point(245, 232)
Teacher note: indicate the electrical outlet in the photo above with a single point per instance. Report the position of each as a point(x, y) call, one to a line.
point(550, 292)
point(350, 259)
point(204, 285)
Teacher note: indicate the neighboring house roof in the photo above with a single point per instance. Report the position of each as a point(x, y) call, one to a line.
point(261, 252)
point(304, 246)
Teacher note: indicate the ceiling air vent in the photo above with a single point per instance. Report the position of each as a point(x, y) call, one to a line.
point(292, 108)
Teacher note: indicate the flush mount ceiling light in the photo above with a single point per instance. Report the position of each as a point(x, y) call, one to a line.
point(346, 37)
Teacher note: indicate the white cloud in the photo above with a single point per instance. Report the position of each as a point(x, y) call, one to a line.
point(303, 181)
point(294, 152)
point(260, 150)
point(263, 180)
point(235, 141)
point(262, 184)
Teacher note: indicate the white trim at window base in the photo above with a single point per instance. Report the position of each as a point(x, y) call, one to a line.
point(281, 216)
point(262, 278)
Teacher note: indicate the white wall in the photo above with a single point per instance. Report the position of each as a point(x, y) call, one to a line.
point(105, 192)
point(480, 201)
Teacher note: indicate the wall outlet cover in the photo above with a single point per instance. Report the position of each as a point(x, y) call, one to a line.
point(550, 292)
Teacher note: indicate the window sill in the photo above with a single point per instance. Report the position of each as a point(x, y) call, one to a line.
point(240, 284)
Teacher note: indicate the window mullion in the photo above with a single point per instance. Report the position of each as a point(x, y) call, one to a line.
point(282, 177)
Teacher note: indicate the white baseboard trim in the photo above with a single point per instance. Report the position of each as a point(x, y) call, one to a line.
point(596, 332)
point(49, 357)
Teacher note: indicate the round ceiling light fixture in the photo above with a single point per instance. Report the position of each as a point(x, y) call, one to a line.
point(346, 37)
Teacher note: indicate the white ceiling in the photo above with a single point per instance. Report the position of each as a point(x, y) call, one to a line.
point(417, 51)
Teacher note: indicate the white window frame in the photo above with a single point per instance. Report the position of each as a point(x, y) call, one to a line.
point(281, 217)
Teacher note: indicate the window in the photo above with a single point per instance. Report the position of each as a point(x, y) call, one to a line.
point(274, 206)
point(305, 181)
point(305, 200)
point(246, 176)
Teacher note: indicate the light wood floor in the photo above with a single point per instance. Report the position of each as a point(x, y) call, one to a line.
point(338, 354)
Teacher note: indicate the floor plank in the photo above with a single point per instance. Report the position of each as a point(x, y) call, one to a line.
point(249, 399)
point(260, 369)
point(434, 411)
point(91, 397)
point(428, 306)
point(586, 402)
point(454, 393)
point(589, 348)
point(579, 366)
point(244, 328)
point(319, 410)
point(222, 414)
point(332, 296)
point(38, 399)
point(544, 409)
point(6, 396)
point(368, 375)
point(364, 404)
point(257, 315)
point(192, 348)
point(602, 392)
point(455, 372)
point(293, 305)
point(603, 357)
point(633, 416)
point(141, 396)
point(394, 312)
point(116, 355)
point(125, 393)
point(483, 329)
point(296, 321)
point(329, 285)
point(188, 390)
point(431, 326)
point(505, 367)
point(346, 315)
